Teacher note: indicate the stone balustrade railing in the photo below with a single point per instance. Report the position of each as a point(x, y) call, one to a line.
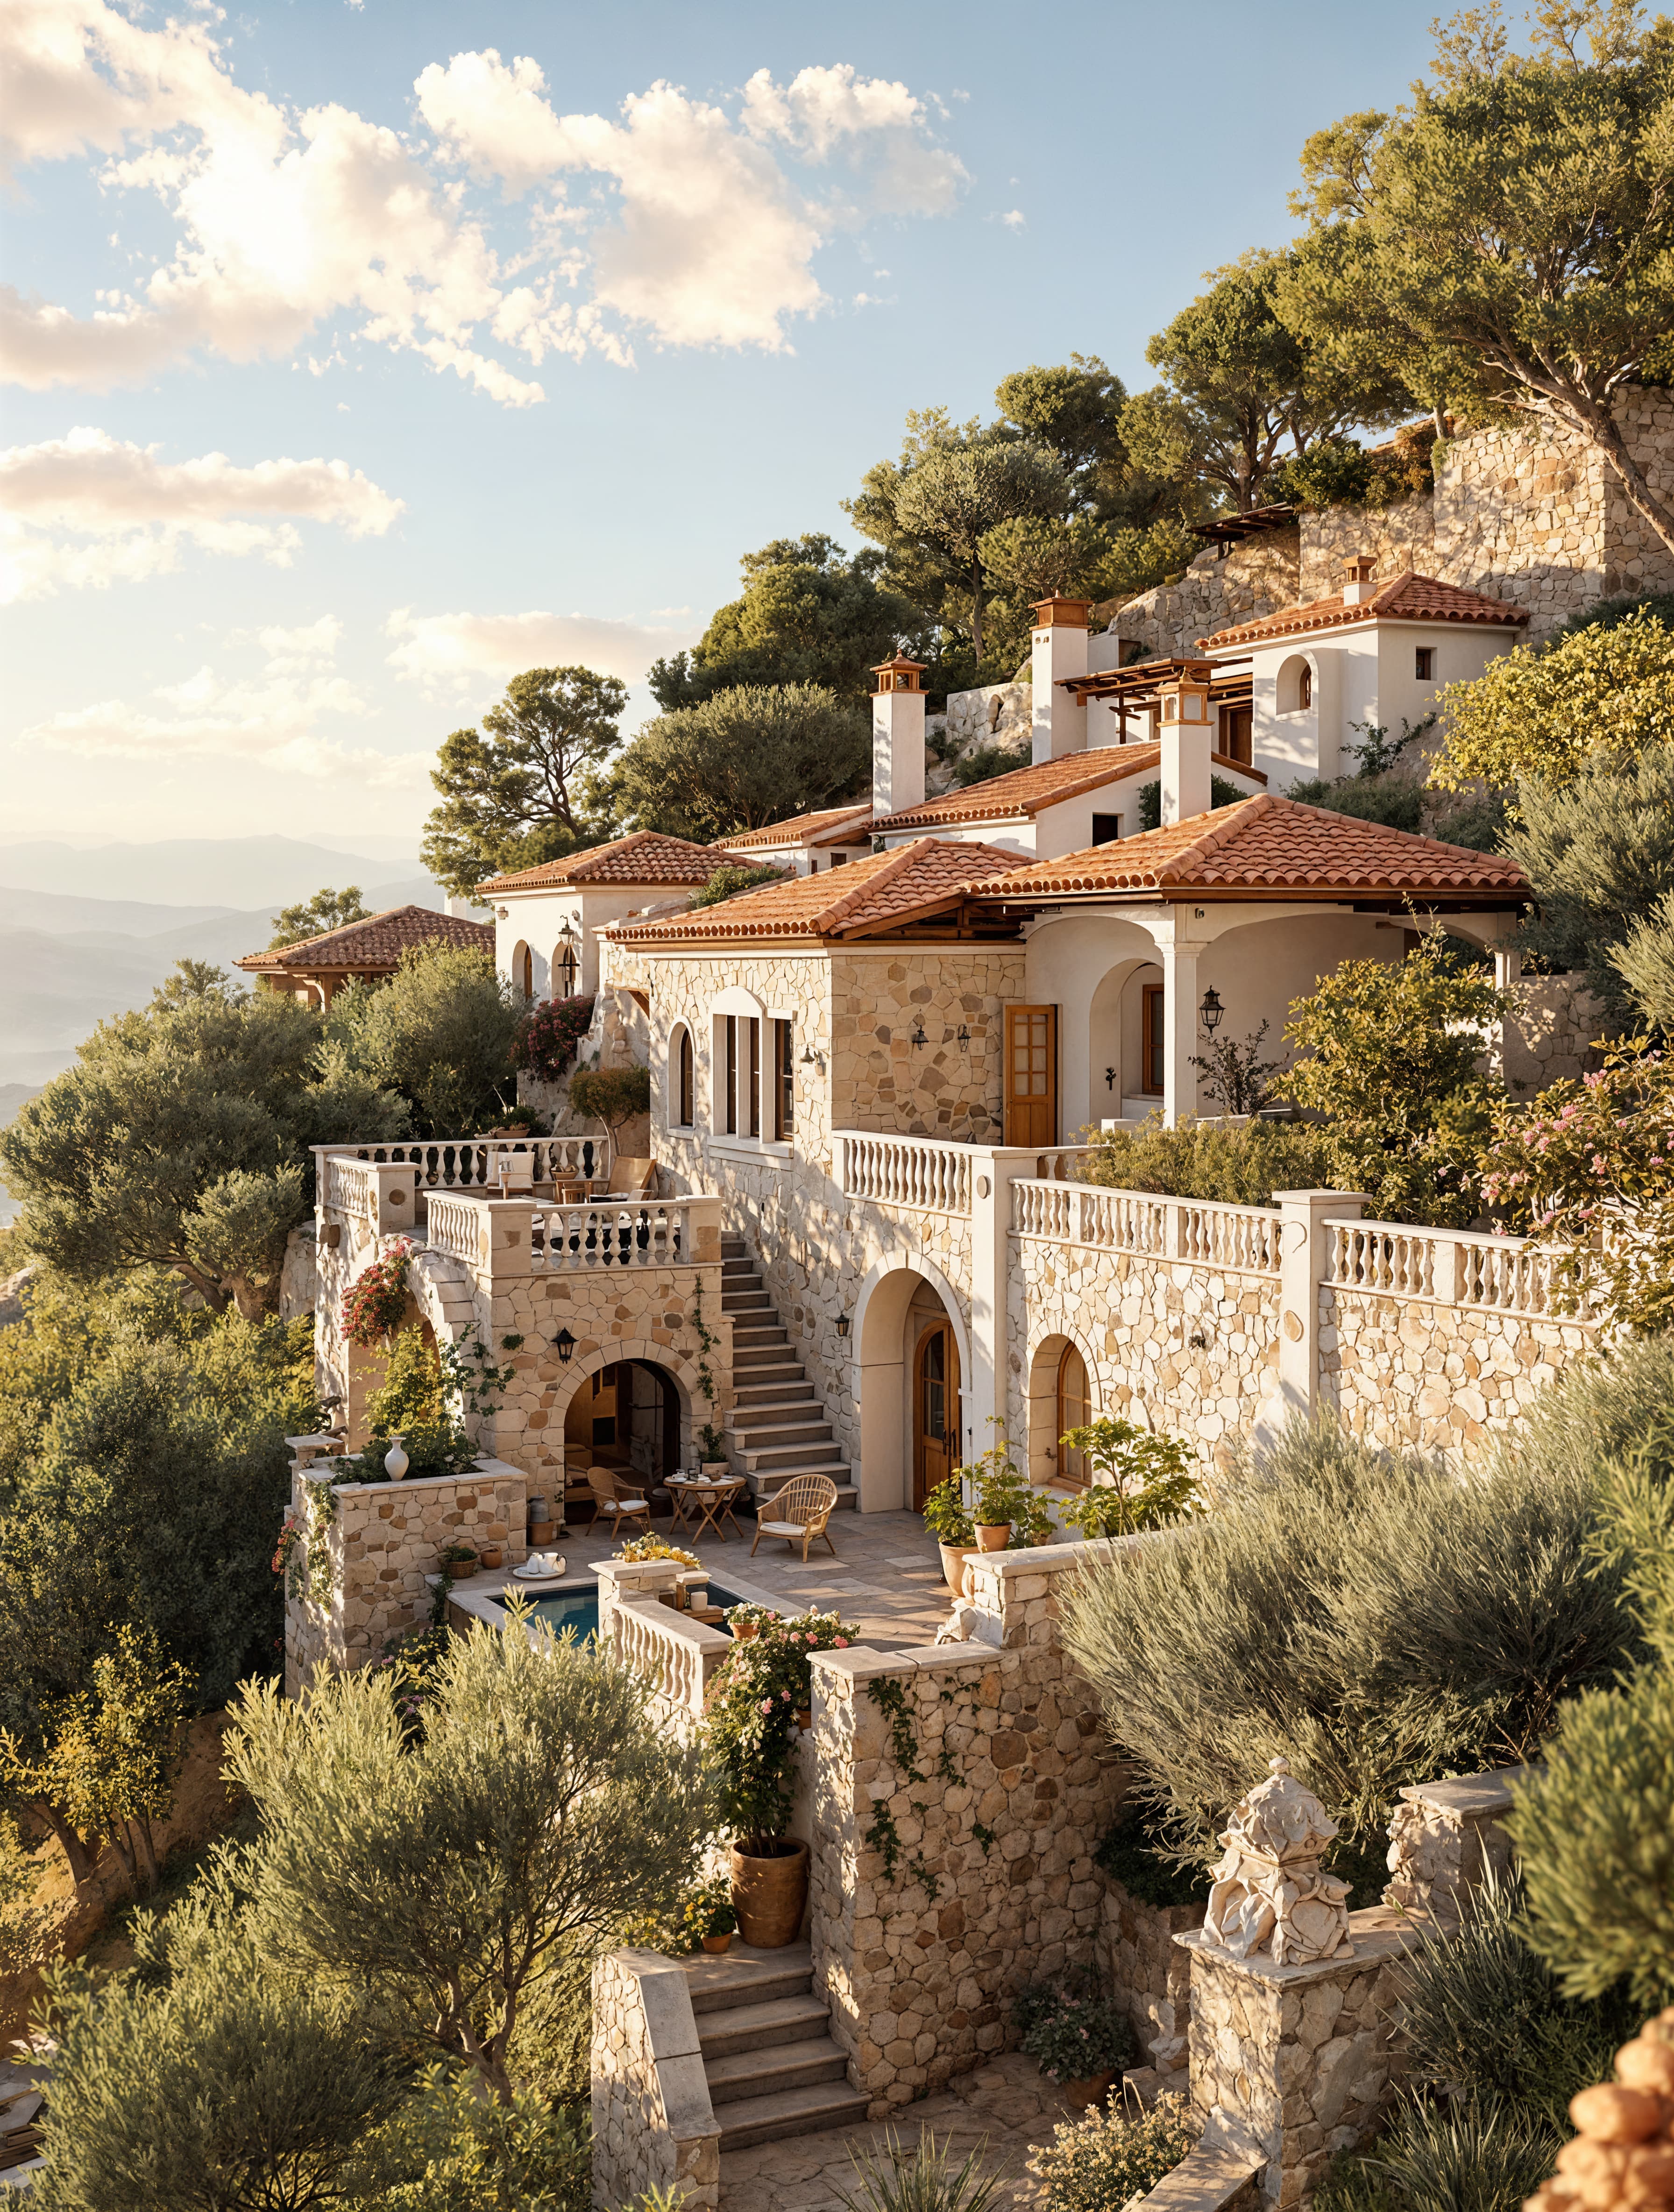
point(1239, 1239)
point(533, 1237)
point(349, 1187)
point(921, 1175)
point(676, 1654)
point(456, 1227)
point(487, 1165)
point(1452, 1267)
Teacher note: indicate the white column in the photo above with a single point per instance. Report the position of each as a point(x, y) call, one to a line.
point(1304, 1216)
point(1185, 767)
point(1179, 1008)
point(1060, 638)
point(897, 750)
point(1507, 966)
point(993, 1171)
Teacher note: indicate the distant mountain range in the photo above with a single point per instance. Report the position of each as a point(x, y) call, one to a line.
point(240, 872)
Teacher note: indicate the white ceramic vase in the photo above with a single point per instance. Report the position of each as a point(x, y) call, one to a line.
point(396, 1462)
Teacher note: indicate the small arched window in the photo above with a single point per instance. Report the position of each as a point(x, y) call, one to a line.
point(1295, 685)
point(523, 971)
point(684, 1085)
point(565, 969)
point(1074, 1412)
point(1305, 686)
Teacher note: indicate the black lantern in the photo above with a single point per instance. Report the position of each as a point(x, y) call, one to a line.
point(842, 1325)
point(1110, 1078)
point(565, 1344)
point(1210, 1012)
point(918, 1037)
point(964, 1038)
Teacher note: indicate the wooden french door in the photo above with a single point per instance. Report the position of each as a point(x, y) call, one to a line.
point(1031, 1075)
point(936, 1410)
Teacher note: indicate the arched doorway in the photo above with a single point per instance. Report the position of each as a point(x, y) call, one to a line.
point(935, 1408)
point(1062, 1396)
point(626, 1414)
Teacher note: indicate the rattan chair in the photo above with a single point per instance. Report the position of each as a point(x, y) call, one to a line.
point(616, 1500)
point(799, 1513)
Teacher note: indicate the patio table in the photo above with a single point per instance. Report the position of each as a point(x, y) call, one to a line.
point(713, 1500)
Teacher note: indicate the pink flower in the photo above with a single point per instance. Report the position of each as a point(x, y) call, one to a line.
point(785, 1694)
point(842, 1643)
point(767, 1704)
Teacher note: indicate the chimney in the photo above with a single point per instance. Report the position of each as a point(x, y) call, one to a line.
point(1358, 587)
point(898, 736)
point(1059, 651)
point(1187, 737)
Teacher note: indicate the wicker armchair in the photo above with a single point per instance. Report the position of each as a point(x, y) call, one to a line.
point(616, 1499)
point(799, 1513)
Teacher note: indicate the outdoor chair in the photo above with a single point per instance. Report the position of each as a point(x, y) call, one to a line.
point(617, 1500)
point(630, 1178)
point(513, 1171)
point(799, 1513)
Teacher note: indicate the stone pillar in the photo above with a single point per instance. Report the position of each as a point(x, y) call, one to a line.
point(982, 1392)
point(1304, 1216)
point(654, 2126)
point(1179, 1006)
point(1187, 737)
point(1446, 1839)
point(1060, 641)
point(1294, 2065)
point(897, 737)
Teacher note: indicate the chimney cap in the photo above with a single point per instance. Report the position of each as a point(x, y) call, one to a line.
point(1055, 613)
point(899, 674)
point(1359, 567)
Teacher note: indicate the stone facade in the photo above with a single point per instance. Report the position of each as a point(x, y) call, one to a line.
point(1553, 1033)
point(993, 1882)
point(652, 2124)
point(1417, 1371)
point(1218, 591)
point(992, 714)
point(1296, 2064)
point(1400, 536)
point(1149, 1973)
point(382, 1541)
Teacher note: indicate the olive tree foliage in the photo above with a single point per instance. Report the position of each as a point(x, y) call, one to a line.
point(325, 911)
point(520, 790)
point(438, 1035)
point(1645, 962)
point(1239, 385)
point(1300, 1620)
point(179, 1140)
point(1599, 853)
point(742, 759)
point(1507, 242)
point(542, 1809)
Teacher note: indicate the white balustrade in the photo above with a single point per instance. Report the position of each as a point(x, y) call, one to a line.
point(456, 1226)
point(1243, 1239)
point(675, 1655)
point(1236, 1239)
point(615, 1232)
point(350, 1187)
point(914, 1173)
point(1454, 1266)
point(475, 1163)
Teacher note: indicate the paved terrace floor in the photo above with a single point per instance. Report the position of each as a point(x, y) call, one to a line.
point(886, 1575)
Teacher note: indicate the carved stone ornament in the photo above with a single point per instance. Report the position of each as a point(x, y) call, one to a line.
point(1269, 1894)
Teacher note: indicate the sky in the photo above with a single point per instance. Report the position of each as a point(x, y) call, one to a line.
point(358, 353)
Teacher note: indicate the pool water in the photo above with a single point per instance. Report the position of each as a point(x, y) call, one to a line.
point(578, 1608)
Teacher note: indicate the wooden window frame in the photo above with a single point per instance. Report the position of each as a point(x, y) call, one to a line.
point(1154, 1037)
point(754, 1040)
point(1107, 829)
point(686, 1082)
point(732, 1022)
point(784, 1082)
point(1424, 664)
point(1073, 1468)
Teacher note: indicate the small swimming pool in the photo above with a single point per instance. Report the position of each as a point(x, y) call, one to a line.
point(575, 1605)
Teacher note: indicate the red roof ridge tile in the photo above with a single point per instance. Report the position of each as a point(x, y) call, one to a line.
point(1409, 597)
point(595, 862)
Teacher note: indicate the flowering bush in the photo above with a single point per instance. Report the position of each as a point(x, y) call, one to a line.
point(1100, 2163)
point(547, 1040)
point(1588, 1167)
point(750, 1719)
point(707, 1911)
point(654, 1547)
point(1073, 2029)
point(377, 1298)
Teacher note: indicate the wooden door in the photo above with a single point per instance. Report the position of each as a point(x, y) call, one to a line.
point(936, 1410)
point(1031, 1075)
point(1074, 1412)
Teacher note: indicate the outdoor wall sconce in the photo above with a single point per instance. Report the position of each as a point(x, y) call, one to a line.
point(842, 1325)
point(811, 1058)
point(1211, 1012)
point(565, 1346)
point(1110, 1078)
point(964, 1038)
point(918, 1037)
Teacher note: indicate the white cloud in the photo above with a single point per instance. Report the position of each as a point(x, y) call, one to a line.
point(1013, 219)
point(693, 224)
point(90, 509)
point(292, 651)
point(450, 651)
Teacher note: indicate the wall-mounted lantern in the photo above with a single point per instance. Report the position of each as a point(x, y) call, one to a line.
point(1110, 1078)
point(1211, 1012)
point(964, 1038)
point(842, 1325)
point(565, 1345)
point(918, 1037)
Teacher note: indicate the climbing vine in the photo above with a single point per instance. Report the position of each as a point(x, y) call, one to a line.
point(713, 1442)
point(302, 1557)
point(470, 1375)
point(891, 1699)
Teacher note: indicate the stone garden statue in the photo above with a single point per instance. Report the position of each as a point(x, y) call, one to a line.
point(1269, 1894)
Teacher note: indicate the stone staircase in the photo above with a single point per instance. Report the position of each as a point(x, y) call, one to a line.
point(771, 2063)
point(777, 1427)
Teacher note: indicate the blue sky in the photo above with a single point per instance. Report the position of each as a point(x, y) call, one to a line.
point(512, 327)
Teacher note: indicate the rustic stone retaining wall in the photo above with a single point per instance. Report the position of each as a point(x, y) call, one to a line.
point(1150, 1974)
point(652, 2124)
point(1552, 1035)
point(1446, 1839)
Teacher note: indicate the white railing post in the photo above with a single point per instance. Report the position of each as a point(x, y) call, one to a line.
point(993, 1171)
point(1306, 1219)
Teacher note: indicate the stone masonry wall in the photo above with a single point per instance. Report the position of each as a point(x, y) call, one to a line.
point(1149, 1973)
point(653, 2124)
point(1255, 578)
point(992, 1883)
point(1412, 1371)
point(882, 1081)
point(384, 1542)
point(1552, 1035)
point(1398, 537)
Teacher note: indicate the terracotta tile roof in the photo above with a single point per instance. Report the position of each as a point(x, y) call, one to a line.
point(377, 942)
point(1406, 597)
point(644, 857)
point(822, 827)
point(879, 892)
point(1272, 847)
point(1025, 790)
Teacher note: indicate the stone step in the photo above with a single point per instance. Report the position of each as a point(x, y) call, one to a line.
point(749, 1306)
point(763, 1412)
point(781, 1433)
point(764, 1487)
point(760, 1336)
point(778, 1386)
point(746, 1975)
point(749, 2074)
point(762, 2026)
point(732, 1245)
point(791, 2112)
point(808, 1454)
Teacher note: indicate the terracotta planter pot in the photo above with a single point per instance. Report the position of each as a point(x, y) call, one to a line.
point(717, 1946)
point(1076, 2096)
point(743, 1632)
point(459, 1569)
point(492, 1557)
point(954, 1557)
point(805, 1717)
point(768, 1895)
point(993, 1538)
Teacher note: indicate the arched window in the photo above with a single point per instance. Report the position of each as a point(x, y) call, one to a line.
point(565, 968)
point(1305, 686)
point(523, 971)
point(1295, 685)
point(1074, 1412)
point(683, 1086)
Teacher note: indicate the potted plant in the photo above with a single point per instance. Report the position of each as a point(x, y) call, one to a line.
point(743, 1620)
point(750, 1737)
point(1001, 1494)
point(1150, 1481)
point(949, 1520)
point(457, 1560)
point(1078, 2033)
point(708, 1919)
point(715, 1463)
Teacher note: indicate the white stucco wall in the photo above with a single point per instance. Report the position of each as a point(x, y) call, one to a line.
point(537, 919)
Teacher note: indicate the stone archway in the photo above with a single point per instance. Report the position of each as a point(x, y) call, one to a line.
point(883, 1322)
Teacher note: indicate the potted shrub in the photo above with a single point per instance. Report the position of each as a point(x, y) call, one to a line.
point(1077, 2032)
point(743, 1620)
point(1151, 1481)
point(715, 1464)
point(457, 1560)
point(949, 1520)
point(1002, 1498)
point(708, 1920)
point(750, 1734)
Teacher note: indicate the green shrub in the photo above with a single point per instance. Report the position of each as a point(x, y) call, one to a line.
point(1461, 2157)
point(1395, 800)
point(1127, 1854)
point(1073, 2028)
point(611, 1095)
point(1201, 1159)
point(1221, 793)
point(895, 2176)
point(1101, 2162)
point(728, 883)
